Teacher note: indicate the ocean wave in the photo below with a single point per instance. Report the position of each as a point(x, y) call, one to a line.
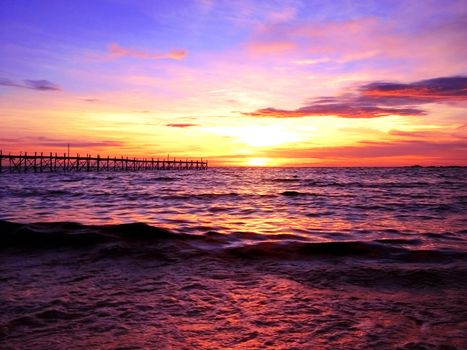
point(294, 179)
point(382, 185)
point(291, 193)
point(37, 192)
point(140, 237)
point(163, 178)
point(208, 196)
point(390, 275)
point(358, 249)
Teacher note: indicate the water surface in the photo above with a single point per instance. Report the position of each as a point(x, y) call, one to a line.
point(322, 258)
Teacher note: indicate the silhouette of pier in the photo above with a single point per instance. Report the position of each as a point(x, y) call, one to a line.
point(54, 162)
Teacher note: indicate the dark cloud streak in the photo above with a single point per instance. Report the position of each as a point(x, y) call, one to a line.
point(378, 99)
point(443, 89)
point(40, 85)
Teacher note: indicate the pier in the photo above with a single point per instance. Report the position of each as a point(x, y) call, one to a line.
point(53, 162)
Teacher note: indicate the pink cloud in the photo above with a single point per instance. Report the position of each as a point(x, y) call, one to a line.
point(284, 15)
point(117, 51)
point(206, 5)
point(270, 47)
point(320, 38)
point(435, 45)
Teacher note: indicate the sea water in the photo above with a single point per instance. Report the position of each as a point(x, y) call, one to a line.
point(241, 258)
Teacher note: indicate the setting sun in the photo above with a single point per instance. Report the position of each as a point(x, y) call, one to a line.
point(258, 162)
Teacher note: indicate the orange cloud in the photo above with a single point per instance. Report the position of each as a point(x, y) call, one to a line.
point(342, 110)
point(117, 51)
point(181, 125)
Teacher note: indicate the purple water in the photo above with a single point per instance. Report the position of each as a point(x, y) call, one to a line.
point(235, 258)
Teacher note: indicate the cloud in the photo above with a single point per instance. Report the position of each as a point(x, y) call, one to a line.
point(366, 153)
point(61, 143)
point(282, 15)
point(41, 85)
point(206, 5)
point(443, 89)
point(376, 149)
point(326, 39)
point(82, 144)
point(434, 134)
point(351, 109)
point(435, 42)
point(413, 134)
point(378, 99)
point(8, 82)
point(181, 125)
point(269, 47)
point(116, 51)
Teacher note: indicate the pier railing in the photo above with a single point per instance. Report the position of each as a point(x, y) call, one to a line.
point(53, 162)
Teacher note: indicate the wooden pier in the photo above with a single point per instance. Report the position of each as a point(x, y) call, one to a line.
point(53, 162)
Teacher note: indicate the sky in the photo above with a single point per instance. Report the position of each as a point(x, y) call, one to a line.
point(240, 83)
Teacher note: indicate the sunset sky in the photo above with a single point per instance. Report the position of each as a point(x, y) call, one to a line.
point(269, 83)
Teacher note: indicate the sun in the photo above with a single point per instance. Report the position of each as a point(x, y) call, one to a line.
point(258, 161)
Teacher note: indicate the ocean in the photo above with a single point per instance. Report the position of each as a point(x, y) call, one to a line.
point(237, 258)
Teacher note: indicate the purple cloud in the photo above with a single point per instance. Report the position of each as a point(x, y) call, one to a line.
point(41, 85)
point(8, 82)
point(443, 89)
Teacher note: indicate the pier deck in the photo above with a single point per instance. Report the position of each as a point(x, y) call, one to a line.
point(53, 162)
